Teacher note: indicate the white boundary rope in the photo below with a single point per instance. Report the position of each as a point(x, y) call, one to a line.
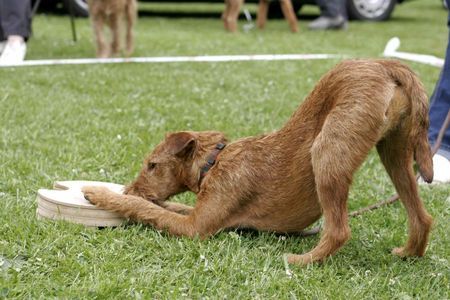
point(175, 59)
point(391, 51)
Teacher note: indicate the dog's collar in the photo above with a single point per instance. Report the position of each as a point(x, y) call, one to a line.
point(211, 160)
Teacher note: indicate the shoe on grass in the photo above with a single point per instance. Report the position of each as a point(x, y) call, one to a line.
point(324, 23)
point(13, 53)
point(441, 168)
point(2, 46)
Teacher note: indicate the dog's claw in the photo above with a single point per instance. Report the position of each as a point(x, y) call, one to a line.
point(92, 193)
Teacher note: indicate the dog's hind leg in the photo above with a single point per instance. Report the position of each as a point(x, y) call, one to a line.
point(130, 15)
point(289, 14)
point(233, 14)
point(396, 153)
point(114, 23)
point(261, 17)
point(225, 15)
point(347, 135)
point(98, 22)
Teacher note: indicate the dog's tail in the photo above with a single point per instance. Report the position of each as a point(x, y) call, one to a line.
point(405, 78)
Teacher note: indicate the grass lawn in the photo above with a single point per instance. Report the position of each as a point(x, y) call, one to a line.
point(97, 122)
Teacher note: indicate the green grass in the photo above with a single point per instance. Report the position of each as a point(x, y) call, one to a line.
point(64, 122)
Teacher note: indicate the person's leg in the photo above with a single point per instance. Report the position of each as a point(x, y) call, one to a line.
point(15, 17)
point(15, 21)
point(333, 15)
point(335, 8)
point(2, 36)
point(440, 105)
point(323, 7)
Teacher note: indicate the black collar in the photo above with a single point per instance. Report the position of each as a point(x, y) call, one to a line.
point(211, 160)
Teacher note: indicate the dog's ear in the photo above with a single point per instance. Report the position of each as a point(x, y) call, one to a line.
point(181, 144)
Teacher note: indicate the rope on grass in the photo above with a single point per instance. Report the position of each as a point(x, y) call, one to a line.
point(175, 59)
point(391, 51)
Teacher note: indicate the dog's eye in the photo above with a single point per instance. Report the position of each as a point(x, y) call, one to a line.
point(151, 166)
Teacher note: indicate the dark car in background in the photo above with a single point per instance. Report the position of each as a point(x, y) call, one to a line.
point(371, 10)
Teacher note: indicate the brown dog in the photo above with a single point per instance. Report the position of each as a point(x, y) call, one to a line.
point(284, 181)
point(233, 7)
point(111, 13)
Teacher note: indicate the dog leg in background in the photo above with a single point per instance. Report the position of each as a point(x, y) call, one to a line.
point(289, 14)
point(261, 18)
point(130, 16)
point(398, 161)
point(286, 8)
point(230, 19)
point(225, 15)
point(102, 45)
point(98, 19)
point(114, 22)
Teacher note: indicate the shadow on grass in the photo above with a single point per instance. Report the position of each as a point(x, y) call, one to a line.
point(244, 232)
point(179, 14)
point(405, 20)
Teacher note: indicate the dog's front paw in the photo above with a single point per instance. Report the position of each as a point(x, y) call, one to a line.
point(95, 194)
point(300, 260)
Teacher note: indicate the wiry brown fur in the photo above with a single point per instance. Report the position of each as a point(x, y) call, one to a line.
point(284, 181)
point(112, 13)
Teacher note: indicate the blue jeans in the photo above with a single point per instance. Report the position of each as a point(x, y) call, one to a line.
point(440, 104)
point(332, 8)
point(15, 18)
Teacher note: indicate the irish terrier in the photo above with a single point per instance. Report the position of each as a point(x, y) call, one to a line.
point(233, 7)
point(285, 180)
point(112, 13)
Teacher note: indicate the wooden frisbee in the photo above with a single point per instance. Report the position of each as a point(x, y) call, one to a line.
point(67, 202)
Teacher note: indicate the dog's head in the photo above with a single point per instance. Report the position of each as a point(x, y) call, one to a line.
point(174, 165)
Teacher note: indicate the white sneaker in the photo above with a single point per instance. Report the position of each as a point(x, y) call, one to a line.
point(2, 46)
point(13, 53)
point(441, 167)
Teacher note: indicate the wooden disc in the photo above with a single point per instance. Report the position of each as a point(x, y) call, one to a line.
point(67, 202)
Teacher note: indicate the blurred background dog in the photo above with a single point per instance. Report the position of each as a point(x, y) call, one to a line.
point(113, 13)
point(233, 7)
